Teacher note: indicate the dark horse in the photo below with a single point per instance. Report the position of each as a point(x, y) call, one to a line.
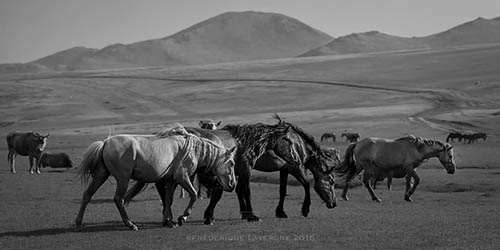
point(284, 154)
point(454, 135)
point(377, 155)
point(29, 144)
point(351, 137)
point(325, 137)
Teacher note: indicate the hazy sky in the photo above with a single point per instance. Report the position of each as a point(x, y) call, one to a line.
point(30, 29)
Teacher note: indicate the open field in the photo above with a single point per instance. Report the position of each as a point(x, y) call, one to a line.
point(425, 93)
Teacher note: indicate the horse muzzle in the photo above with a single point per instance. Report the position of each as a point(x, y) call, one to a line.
point(331, 205)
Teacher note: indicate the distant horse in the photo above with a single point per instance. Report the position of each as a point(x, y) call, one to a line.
point(454, 135)
point(209, 124)
point(165, 160)
point(474, 137)
point(288, 155)
point(377, 155)
point(55, 160)
point(351, 137)
point(325, 137)
point(29, 144)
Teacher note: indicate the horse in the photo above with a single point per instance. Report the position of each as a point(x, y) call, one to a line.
point(379, 155)
point(55, 160)
point(325, 137)
point(454, 135)
point(351, 137)
point(474, 137)
point(251, 141)
point(166, 160)
point(29, 144)
point(209, 124)
point(290, 155)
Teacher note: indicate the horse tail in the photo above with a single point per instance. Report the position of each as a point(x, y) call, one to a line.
point(347, 167)
point(134, 190)
point(91, 159)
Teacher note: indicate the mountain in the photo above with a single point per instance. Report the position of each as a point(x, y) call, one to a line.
point(231, 36)
point(479, 31)
point(62, 59)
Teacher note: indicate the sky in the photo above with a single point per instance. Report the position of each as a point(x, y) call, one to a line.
point(31, 29)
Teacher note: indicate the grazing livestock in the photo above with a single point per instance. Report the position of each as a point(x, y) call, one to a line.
point(55, 160)
point(351, 137)
point(377, 155)
point(466, 137)
point(29, 144)
point(166, 160)
point(325, 137)
point(454, 135)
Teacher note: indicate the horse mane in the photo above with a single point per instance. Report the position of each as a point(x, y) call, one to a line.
point(309, 139)
point(420, 142)
point(255, 139)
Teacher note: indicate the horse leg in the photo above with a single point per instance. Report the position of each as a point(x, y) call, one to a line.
point(11, 158)
point(216, 195)
point(410, 189)
point(37, 165)
point(298, 174)
point(389, 180)
point(31, 164)
point(344, 191)
point(239, 193)
point(186, 184)
point(366, 182)
point(160, 188)
point(280, 213)
point(100, 176)
point(121, 189)
point(169, 198)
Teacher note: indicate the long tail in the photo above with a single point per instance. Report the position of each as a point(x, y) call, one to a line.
point(347, 168)
point(91, 159)
point(134, 190)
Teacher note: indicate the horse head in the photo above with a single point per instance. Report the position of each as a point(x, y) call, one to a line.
point(209, 124)
point(40, 141)
point(322, 166)
point(446, 158)
point(224, 171)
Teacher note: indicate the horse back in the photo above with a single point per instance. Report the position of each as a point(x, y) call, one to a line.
point(384, 153)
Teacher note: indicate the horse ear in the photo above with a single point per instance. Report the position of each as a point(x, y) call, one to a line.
point(218, 123)
point(200, 123)
point(47, 136)
point(449, 147)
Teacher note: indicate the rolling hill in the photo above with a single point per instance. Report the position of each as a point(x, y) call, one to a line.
point(479, 31)
point(231, 36)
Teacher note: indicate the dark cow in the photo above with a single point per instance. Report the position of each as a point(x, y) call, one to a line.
point(55, 160)
point(26, 144)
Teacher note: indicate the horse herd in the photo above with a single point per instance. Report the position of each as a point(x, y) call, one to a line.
point(466, 137)
point(223, 160)
point(349, 137)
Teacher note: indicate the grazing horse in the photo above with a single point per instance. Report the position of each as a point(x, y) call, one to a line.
point(289, 155)
point(55, 160)
point(167, 160)
point(474, 137)
point(377, 155)
point(209, 124)
point(454, 135)
point(351, 137)
point(29, 144)
point(325, 137)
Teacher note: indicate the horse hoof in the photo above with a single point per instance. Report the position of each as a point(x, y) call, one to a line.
point(134, 228)
point(376, 200)
point(38, 172)
point(209, 222)
point(31, 172)
point(281, 214)
point(253, 218)
point(181, 220)
point(345, 197)
point(169, 224)
point(305, 212)
point(78, 228)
